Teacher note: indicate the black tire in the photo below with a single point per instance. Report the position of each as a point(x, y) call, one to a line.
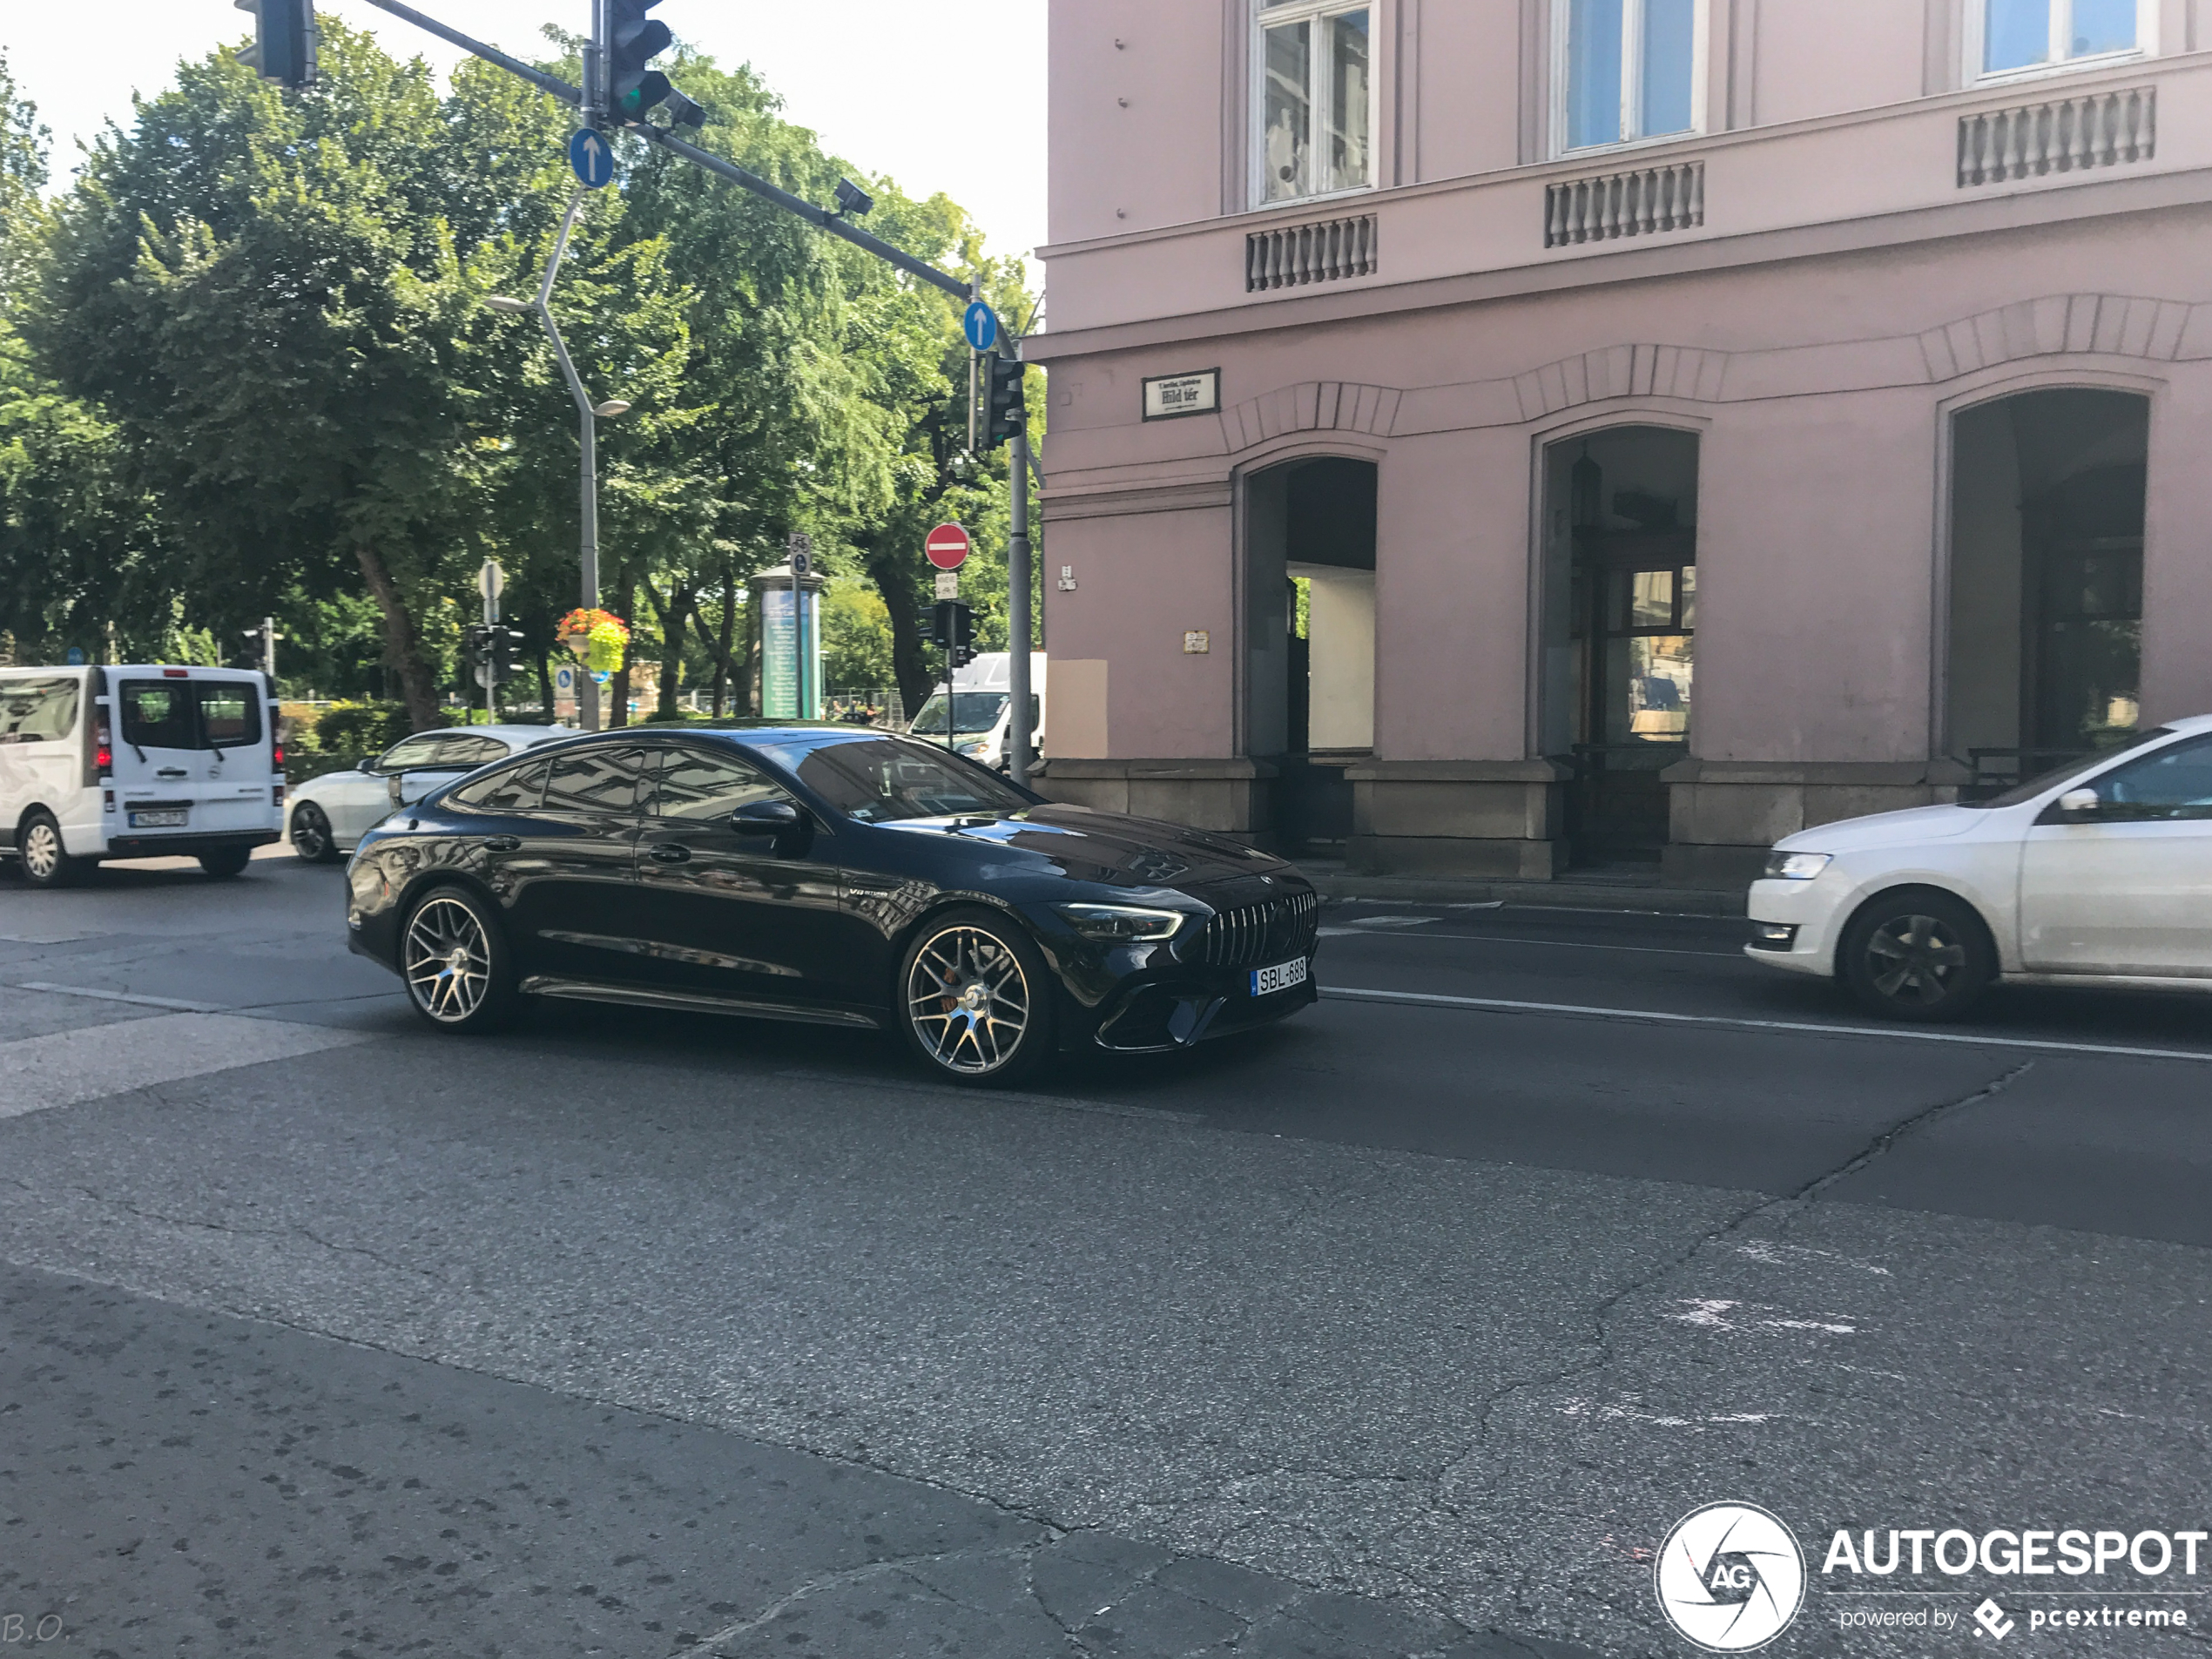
point(1917, 955)
point(988, 1022)
point(455, 962)
point(226, 861)
point(312, 839)
point(39, 849)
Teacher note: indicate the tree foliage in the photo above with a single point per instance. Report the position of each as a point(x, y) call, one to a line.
point(247, 367)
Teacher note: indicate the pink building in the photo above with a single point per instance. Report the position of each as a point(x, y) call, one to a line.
point(1501, 435)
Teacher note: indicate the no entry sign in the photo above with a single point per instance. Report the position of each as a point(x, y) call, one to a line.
point(947, 547)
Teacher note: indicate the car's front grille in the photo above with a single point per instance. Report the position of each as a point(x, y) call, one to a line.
point(1255, 935)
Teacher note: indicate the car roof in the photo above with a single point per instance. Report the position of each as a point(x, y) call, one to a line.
point(2190, 722)
point(520, 735)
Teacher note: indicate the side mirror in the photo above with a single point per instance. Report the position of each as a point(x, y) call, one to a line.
point(2081, 803)
point(766, 818)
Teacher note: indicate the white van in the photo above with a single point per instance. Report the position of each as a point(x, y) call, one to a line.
point(137, 763)
point(982, 709)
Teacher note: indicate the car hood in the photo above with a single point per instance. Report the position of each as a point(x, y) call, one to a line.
point(1887, 829)
point(1116, 850)
point(307, 791)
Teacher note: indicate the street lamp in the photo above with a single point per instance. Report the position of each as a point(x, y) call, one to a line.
point(587, 414)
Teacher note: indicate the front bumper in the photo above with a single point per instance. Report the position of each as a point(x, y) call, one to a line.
point(1812, 913)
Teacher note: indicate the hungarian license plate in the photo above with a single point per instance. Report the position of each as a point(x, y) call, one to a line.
point(1281, 977)
point(160, 820)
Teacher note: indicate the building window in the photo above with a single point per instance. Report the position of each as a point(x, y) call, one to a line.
point(1314, 103)
point(2013, 37)
point(1628, 70)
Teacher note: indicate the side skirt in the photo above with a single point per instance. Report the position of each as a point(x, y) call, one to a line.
point(695, 1003)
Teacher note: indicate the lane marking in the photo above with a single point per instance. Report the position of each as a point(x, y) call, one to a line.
point(69, 1068)
point(1555, 944)
point(135, 1001)
point(1795, 1028)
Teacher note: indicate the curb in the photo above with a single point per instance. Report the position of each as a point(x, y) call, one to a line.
point(1625, 897)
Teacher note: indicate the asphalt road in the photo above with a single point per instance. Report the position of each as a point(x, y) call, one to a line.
point(1409, 1327)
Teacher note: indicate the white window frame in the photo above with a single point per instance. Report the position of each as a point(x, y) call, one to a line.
point(1314, 11)
point(1975, 37)
point(1632, 18)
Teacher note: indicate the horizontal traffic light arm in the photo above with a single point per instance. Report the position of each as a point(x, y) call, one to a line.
point(818, 217)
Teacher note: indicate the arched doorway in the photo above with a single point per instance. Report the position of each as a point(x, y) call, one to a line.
point(1619, 627)
point(2046, 579)
point(1310, 670)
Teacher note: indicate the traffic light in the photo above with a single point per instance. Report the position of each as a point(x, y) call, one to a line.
point(953, 630)
point(1007, 414)
point(284, 38)
point(633, 86)
point(506, 648)
point(475, 646)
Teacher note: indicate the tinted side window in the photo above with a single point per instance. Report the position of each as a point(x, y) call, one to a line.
point(230, 713)
point(420, 751)
point(700, 787)
point(157, 714)
point(595, 781)
point(37, 710)
point(471, 752)
point(514, 789)
point(2173, 783)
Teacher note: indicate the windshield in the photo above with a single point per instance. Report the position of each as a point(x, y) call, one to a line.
point(2020, 794)
point(972, 711)
point(882, 780)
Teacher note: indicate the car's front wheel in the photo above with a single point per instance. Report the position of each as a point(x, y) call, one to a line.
point(312, 839)
point(1917, 955)
point(452, 955)
point(974, 999)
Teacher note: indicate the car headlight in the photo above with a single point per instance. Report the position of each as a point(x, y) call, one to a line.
point(1119, 923)
point(1797, 866)
point(974, 751)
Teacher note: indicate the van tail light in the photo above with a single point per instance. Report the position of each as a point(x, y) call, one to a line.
point(276, 796)
point(103, 751)
point(276, 759)
point(176, 673)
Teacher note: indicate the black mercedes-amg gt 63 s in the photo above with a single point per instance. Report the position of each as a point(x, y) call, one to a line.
point(837, 875)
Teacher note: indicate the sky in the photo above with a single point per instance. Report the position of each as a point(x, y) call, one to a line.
point(919, 89)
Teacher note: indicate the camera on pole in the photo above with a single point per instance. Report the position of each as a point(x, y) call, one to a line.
point(633, 86)
point(285, 39)
point(1007, 413)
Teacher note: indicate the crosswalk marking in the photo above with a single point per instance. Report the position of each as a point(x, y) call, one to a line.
point(68, 1068)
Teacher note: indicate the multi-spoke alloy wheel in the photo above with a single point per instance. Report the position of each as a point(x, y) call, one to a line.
point(312, 840)
point(975, 999)
point(453, 962)
point(1917, 956)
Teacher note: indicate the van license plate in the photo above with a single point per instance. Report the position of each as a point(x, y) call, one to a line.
point(159, 820)
point(1281, 977)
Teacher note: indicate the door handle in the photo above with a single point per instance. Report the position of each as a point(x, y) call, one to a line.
point(502, 844)
point(670, 853)
point(170, 771)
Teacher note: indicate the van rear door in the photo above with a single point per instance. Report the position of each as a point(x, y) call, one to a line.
point(191, 753)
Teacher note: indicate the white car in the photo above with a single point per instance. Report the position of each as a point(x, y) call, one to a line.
point(2098, 875)
point(136, 761)
point(330, 814)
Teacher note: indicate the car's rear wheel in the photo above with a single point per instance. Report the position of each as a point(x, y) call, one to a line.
point(1918, 955)
point(226, 861)
point(312, 839)
point(46, 862)
point(454, 957)
point(974, 999)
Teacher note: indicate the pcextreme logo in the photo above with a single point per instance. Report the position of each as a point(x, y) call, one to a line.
point(1730, 1577)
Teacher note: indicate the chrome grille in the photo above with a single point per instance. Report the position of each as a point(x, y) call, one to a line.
point(1256, 935)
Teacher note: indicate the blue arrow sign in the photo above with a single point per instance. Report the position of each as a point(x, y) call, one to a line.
point(591, 157)
point(981, 325)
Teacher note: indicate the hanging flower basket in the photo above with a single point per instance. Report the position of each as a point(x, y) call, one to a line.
point(596, 639)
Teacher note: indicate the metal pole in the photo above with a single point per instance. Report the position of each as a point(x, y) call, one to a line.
point(587, 689)
point(798, 644)
point(1017, 615)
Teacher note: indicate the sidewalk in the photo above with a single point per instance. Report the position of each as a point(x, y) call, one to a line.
point(1581, 890)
